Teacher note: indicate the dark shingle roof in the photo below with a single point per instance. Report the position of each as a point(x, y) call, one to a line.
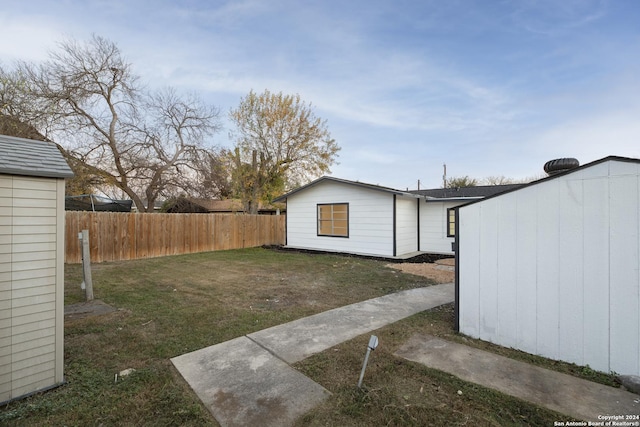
point(467, 192)
point(19, 156)
point(436, 193)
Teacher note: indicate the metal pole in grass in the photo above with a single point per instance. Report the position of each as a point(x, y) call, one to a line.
point(373, 343)
point(87, 283)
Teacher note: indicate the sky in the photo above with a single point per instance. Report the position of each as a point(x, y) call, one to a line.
point(487, 87)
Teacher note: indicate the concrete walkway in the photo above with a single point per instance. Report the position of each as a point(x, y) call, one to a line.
point(248, 380)
point(563, 393)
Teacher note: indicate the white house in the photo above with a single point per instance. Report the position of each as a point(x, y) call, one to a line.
point(337, 215)
point(437, 213)
point(331, 214)
point(32, 218)
point(552, 268)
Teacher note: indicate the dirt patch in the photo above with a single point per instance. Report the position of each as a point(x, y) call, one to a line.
point(451, 262)
point(87, 309)
point(442, 271)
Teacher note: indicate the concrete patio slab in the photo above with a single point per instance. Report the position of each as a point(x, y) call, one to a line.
point(247, 380)
point(563, 393)
point(297, 340)
point(243, 384)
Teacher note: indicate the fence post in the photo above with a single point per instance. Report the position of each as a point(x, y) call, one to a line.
point(86, 266)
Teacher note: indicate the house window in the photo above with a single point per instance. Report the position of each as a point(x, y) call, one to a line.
point(333, 220)
point(451, 222)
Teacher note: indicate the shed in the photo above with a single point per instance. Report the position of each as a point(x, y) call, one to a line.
point(552, 268)
point(32, 219)
point(337, 215)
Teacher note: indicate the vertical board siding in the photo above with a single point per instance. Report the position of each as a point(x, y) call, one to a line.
point(507, 300)
point(559, 262)
point(547, 228)
point(489, 267)
point(596, 272)
point(469, 257)
point(28, 291)
point(624, 281)
point(526, 273)
point(116, 236)
point(570, 272)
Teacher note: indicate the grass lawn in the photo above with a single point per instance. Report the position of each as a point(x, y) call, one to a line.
point(173, 305)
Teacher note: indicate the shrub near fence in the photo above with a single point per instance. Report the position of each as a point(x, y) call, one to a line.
point(117, 236)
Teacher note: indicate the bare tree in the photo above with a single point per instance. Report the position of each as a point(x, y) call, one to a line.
point(461, 181)
point(279, 143)
point(497, 180)
point(166, 161)
point(213, 175)
point(141, 143)
point(466, 181)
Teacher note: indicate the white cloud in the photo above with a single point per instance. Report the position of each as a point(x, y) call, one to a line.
point(593, 137)
point(551, 17)
point(492, 90)
point(27, 37)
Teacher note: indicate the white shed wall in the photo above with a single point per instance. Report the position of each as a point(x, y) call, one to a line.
point(433, 227)
point(370, 219)
point(31, 302)
point(553, 269)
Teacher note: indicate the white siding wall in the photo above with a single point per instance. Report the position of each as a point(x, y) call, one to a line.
point(370, 219)
point(433, 227)
point(406, 225)
point(553, 269)
point(31, 305)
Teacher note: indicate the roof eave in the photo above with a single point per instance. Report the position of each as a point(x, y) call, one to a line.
point(451, 199)
point(284, 197)
point(36, 174)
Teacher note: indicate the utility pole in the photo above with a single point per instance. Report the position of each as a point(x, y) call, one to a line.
point(444, 176)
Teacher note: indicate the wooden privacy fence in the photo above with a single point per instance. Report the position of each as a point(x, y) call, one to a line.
point(118, 236)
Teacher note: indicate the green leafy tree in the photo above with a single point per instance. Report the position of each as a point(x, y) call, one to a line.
point(279, 143)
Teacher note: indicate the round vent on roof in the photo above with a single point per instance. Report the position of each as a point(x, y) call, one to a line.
point(556, 166)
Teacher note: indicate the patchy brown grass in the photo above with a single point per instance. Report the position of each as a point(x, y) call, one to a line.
point(400, 392)
point(169, 306)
